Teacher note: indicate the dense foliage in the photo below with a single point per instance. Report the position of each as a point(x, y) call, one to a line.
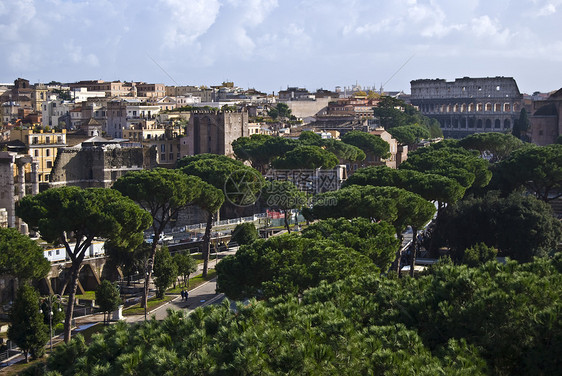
point(369, 143)
point(72, 215)
point(409, 134)
point(287, 264)
point(306, 157)
point(394, 205)
point(393, 112)
point(537, 169)
point(261, 150)
point(20, 256)
point(492, 145)
point(244, 233)
point(186, 265)
point(494, 319)
point(165, 271)
point(283, 196)
point(518, 226)
point(457, 163)
point(27, 329)
point(163, 193)
point(432, 187)
point(375, 240)
point(108, 297)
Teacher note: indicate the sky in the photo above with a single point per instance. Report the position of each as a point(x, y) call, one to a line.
point(272, 44)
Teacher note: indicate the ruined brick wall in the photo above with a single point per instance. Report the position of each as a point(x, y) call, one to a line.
point(213, 132)
point(98, 166)
point(468, 105)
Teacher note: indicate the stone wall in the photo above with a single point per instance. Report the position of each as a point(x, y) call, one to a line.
point(546, 122)
point(98, 166)
point(213, 132)
point(469, 105)
point(308, 108)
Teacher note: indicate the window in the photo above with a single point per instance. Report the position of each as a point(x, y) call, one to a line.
point(50, 253)
point(57, 252)
point(171, 157)
point(49, 164)
point(162, 157)
point(35, 140)
point(47, 152)
point(47, 140)
point(36, 152)
point(163, 148)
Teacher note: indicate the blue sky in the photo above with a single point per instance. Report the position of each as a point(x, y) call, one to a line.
point(272, 44)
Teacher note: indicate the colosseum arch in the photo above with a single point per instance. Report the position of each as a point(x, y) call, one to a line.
point(506, 124)
point(497, 124)
point(479, 123)
point(506, 107)
point(479, 107)
point(488, 123)
point(497, 107)
point(471, 122)
point(471, 107)
point(488, 107)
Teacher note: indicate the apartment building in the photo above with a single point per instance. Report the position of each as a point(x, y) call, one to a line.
point(42, 146)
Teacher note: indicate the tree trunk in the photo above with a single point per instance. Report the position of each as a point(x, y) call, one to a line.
point(74, 273)
point(286, 221)
point(415, 248)
point(207, 244)
point(148, 275)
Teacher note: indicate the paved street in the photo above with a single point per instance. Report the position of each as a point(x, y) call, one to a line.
point(200, 296)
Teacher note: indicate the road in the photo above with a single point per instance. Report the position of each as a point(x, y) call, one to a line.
point(200, 296)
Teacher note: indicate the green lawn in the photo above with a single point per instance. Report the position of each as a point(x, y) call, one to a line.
point(152, 304)
point(194, 282)
point(170, 294)
point(88, 295)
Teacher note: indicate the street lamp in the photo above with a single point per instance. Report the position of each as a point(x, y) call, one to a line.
point(51, 299)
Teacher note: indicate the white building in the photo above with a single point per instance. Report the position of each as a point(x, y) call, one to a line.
point(82, 94)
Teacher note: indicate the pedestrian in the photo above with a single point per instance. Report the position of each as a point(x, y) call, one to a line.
point(186, 295)
point(182, 295)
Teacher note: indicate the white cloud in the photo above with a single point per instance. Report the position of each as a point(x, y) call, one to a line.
point(547, 10)
point(254, 12)
point(316, 41)
point(490, 29)
point(189, 20)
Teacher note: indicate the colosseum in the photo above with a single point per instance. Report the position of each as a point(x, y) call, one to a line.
point(468, 105)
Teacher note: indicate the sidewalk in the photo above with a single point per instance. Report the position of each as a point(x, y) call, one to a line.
point(199, 296)
point(88, 320)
